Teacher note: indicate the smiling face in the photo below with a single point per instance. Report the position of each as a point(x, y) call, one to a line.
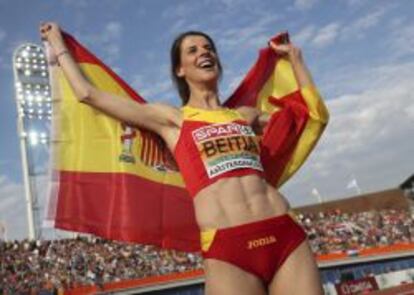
point(198, 61)
point(193, 58)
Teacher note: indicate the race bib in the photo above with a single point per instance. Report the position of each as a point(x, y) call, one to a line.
point(228, 146)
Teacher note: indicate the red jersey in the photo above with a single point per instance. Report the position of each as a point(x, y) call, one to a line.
point(215, 144)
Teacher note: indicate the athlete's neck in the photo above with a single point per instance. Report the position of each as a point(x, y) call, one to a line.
point(204, 99)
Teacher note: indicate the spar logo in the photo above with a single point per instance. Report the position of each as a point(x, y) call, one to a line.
point(218, 130)
point(228, 146)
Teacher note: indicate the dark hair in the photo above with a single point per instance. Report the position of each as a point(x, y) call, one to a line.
point(181, 83)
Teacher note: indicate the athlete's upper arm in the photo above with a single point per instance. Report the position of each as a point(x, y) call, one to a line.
point(154, 117)
point(255, 118)
point(250, 114)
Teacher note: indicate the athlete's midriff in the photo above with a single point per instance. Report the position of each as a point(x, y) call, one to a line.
point(238, 200)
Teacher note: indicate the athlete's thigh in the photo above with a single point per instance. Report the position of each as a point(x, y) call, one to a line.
point(223, 278)
point(298, 275)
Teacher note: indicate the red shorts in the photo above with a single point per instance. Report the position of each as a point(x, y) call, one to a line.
point(259, 248)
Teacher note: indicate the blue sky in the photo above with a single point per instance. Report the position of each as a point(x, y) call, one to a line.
point(360, 52)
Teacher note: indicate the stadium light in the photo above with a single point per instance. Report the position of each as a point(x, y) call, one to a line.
point(32, 91)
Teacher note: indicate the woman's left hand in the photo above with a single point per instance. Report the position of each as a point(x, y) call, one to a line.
point(289, 50)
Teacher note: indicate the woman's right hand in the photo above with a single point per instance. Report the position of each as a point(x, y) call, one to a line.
point(50, 31)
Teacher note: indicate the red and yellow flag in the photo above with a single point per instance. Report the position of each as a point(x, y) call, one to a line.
point(298, 116)
point(110, 179)
point(122, 183)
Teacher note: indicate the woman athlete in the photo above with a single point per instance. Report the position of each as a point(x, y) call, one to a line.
point(250, 244)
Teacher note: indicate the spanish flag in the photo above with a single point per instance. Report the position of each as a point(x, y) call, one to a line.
point(121, 183)
point(298, 116)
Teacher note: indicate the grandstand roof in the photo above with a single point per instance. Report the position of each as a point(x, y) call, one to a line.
point(388, 199)
point(408, 183)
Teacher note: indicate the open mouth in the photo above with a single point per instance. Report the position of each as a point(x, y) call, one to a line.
point(207, 64)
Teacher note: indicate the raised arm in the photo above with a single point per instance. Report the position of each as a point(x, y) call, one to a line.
point(297, 124)
point(294, 54)
point(316, 107)
point(302, 75)
point(155, 117)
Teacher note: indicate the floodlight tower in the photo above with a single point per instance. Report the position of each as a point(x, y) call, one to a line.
point(33, 101)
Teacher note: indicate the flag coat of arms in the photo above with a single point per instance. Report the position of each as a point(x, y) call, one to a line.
point(122, 183)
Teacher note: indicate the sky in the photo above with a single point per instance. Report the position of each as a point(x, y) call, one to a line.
point(360, 53)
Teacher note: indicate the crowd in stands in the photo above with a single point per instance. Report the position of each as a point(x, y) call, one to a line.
point(336, 231)
point(30, 266)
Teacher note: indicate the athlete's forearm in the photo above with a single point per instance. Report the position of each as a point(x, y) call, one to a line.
point(262, 121)
point(300, 70)
point(80, 85)
point(294, 55)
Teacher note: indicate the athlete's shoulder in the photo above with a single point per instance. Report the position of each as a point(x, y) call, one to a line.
point(165, 106)
point(250, 114)
point(164, 116)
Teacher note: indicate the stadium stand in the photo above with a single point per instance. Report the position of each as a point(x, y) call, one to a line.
point(363, 242)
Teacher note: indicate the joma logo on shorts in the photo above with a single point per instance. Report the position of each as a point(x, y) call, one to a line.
point(252, 244)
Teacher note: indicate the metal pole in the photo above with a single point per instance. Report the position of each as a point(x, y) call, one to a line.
point(26, 179)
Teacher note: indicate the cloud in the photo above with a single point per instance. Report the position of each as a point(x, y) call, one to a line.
point(111, 38)
point(181, 10)
point(159, 90)
point(137, 82)
point(109, 41)
point(2, 35)
point(226, 3)
point(80, 4)
point(10, 45)
point(358, 27)
point(113, 29)
point(179, 26)
point(12, 208)
point(355, 3)
point(401, 40)
point(368, 136)
point(369, 20)
point(234, 82)
point(252, 35)
point(305, 4)
point(326, 35)
point(304, 35)
point(354, 78)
